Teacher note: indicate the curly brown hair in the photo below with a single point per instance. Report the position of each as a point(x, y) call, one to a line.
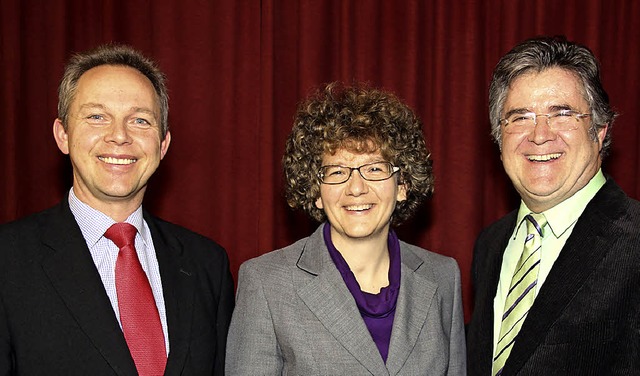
point(361, 120)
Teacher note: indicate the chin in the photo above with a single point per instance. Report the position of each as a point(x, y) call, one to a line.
point(541, 186)
point(119, 194)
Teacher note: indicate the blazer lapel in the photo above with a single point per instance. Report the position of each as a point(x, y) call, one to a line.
point(487, 261)
point(326, 295)
point(178, 279)
point(73, 274)
point(585, 248)
point(414, 302)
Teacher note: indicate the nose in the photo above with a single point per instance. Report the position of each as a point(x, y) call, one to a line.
point(118, 133)
point(356, 185)
point(542, 132)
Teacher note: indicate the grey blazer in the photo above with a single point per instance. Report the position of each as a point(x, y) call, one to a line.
point(295, 316)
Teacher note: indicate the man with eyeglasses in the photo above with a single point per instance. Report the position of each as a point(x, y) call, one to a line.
point(556, 281)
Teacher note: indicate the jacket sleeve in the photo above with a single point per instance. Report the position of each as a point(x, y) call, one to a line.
point(6, 353)
point(225, 309)
point(457, 346)
point(252, 346)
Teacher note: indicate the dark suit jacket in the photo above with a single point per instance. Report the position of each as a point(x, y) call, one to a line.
point(56, 318)
point(586, 317)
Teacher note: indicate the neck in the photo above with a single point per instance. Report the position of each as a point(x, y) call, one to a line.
point(368, 260)
point(118, 210)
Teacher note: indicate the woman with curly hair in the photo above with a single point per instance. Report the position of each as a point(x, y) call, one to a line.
point(351, 299)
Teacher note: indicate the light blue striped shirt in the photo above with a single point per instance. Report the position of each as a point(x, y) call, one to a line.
point(104, 252)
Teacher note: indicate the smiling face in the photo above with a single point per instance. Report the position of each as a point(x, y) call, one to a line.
point(546, 166)
point(113, 138)
point(359, 209)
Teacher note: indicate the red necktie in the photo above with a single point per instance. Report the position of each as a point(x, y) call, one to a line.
point(138, 312)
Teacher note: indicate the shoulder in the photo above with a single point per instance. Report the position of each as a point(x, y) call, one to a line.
point(500, 226)
point(613, 212)
point(196, 245)
point(277, 261)
point(494, 236)
point(431, 257)
point(27, 241)
point(176, 230)
point(24, 235)
point(613, 206)
point(18, 228)
point(31, 223)
point(429, 263)
point(429, 271)
point(613, 197)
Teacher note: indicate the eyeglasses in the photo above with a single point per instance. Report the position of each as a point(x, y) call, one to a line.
point(376, 171)
point(563, 120)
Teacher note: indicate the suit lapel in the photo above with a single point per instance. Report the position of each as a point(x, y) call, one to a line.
point(414, 303)
point(178, 279)
point(487, 261)
point(327, 296)
point(73, 274)
point(585, 248)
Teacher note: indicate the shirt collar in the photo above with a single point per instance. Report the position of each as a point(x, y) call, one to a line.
point(93, 223)
point(562, 216)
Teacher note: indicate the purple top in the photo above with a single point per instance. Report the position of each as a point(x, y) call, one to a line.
point(377, 310)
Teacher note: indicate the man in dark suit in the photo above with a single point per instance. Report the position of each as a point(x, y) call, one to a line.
point(571, 305)
point(78, 296)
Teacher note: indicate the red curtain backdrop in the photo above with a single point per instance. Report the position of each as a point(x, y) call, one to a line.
point(237, 68)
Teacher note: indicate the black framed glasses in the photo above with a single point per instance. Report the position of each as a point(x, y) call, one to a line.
point(562, 120)
point(375, 171)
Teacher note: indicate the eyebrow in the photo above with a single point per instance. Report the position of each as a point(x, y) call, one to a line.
point(365, 163)
point(142, 109)
point(552, 108)
point(100, 106)
point(519, 111)
point(92, 105)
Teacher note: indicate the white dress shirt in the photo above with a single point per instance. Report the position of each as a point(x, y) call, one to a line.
point(104, 252)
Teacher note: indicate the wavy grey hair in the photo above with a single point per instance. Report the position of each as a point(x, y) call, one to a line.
point(538, 54)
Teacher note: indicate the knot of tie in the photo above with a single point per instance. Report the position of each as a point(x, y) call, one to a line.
point(536, 222)
point(122, 234)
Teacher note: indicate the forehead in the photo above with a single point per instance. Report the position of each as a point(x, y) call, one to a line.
point(539, 91)
point(112, 83)
point(347, 157)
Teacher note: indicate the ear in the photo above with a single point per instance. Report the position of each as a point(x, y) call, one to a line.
point(319, 204)
point(61, 136)
point(402, 193)
point(164, 144)
point(602, 133)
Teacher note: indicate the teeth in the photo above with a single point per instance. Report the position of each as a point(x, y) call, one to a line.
point(359, 207)
point(117, 161)
point(544, 158)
